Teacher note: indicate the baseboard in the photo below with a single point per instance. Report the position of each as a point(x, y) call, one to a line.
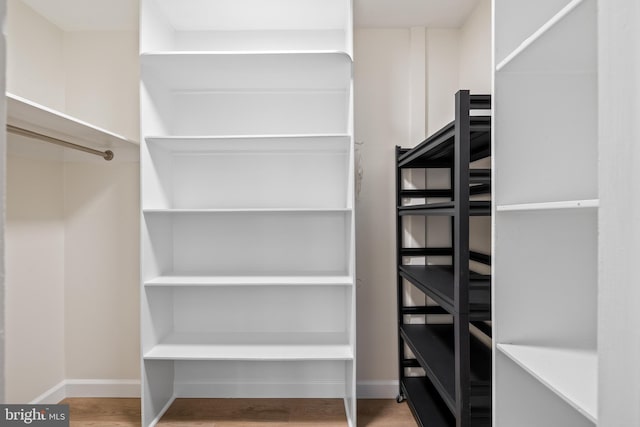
point(377, 389)
point(131, 388)
point(52, 396)
point(103, 388)
point(89, 388)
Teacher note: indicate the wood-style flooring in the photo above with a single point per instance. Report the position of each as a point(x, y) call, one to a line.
point(241, 413)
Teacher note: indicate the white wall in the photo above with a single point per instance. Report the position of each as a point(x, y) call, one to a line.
point(35, 276)
point(442, 76)
point(102, 212)
point(101, 77)
point(475, 50)
point(3, 149)
point(101, 262)
point(35, 61)
point(382, 92)
point(84, 239)
point(386, 101)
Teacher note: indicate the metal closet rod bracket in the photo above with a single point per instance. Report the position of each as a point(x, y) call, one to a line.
point(107, 155)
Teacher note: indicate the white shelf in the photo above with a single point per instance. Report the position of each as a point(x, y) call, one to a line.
point(37, 118)
point(570, 373)
point(250, 242)
point(569, 204)
point(227, 15)
point(546, 114)
point(220, 173)
point(242, 211)
point(245, 25)
point(539, 33)
point(319, 279)
point(252, 346)
point(240, 143)
point(201, 71)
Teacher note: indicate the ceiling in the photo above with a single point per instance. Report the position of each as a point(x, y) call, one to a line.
point(118, 15)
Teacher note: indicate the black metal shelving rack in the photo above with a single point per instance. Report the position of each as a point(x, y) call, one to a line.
point(456, 387)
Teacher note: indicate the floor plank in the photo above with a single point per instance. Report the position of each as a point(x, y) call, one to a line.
point(103, 412)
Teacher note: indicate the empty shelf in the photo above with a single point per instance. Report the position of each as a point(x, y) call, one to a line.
point(425, 403)
point(568, 204)
point(233, 70)
point(437, 282)
point(244, 210)
point(252, 346)
point(190, 280)
point(570, 373)
point(434, 347)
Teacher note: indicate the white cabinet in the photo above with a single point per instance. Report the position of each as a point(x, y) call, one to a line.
point(248, 277)
point(546, 213)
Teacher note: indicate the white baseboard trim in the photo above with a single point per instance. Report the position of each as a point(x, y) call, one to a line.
point(52, 396)
point(377, 389)
point(103, 388)
point(89, 388)
point(131, 388)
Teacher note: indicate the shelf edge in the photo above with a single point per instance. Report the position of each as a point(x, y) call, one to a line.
point(568, 204)
point(12, 98)
point(565, 11)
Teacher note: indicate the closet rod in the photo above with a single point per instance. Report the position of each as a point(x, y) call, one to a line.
point(107, 155)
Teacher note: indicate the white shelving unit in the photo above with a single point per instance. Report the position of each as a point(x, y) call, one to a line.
point(248, 277)
point(546, 213)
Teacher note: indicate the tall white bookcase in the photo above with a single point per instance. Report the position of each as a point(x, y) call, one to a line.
point(248, 275)
point(546, 206)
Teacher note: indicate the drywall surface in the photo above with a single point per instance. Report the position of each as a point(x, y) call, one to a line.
point(34, 277)
point(35, 62)
point(475, 50)
point(3, 165)
point(382, 92)
point(101, 79)
point(442, 76)
point(101, 260)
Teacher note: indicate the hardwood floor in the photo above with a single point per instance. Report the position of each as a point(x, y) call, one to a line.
point(240, 413)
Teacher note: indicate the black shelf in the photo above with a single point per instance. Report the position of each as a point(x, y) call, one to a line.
point(437, 282)
point(476, 208)
point(439, 148)
point(428, 408)
point(479, 181)
point(434, 348)
point(456, 390)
